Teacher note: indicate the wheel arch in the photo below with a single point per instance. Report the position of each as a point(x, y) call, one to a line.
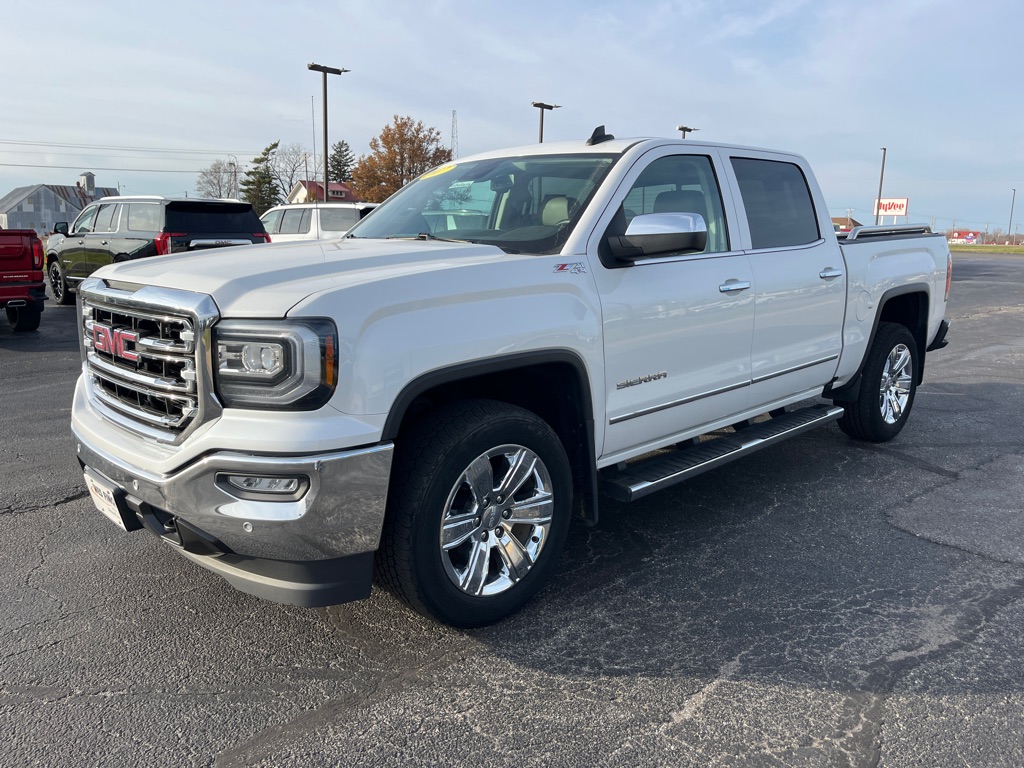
point(906, 305)
point(553, 384)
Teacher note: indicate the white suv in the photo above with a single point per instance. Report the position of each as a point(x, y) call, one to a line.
point(313, 221)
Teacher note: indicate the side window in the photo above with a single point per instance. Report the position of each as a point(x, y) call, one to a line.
point(271, 220)
point(338, 219)
point(105, 221)
point(680, 184)
point(778, 203)
point(307, 216)
point(144, 217)
point(84, 223)
point(291, 222)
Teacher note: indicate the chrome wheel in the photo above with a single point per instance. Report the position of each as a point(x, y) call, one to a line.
point(894, 391)
point(496, 520)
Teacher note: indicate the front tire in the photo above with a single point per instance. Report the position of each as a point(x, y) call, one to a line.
point(478, 512)
point(887, 388)
point(58, 284)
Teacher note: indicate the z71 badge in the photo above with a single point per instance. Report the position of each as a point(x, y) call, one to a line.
point(577, 268)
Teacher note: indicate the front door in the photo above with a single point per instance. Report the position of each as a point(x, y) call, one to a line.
point(677, 328)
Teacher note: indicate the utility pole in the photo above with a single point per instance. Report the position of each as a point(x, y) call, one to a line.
point(685, 129)
point(325, 71)
point(543, 107)
point(1009, 227)
point(878, 203)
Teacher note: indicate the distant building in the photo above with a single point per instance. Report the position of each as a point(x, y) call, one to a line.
point(844, 223)
point(307, 191)
point(40, 206)
point(964, 237)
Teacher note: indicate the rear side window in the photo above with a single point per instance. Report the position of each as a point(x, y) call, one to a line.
point(295, 221)
point(106, 221)
point(338, 219)
point(212, 218)
point(144, 217)
point(777, 201)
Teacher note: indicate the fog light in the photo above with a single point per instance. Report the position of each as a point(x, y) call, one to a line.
point(256, 484)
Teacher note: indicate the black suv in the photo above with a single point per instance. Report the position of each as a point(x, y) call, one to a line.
point(122, 228)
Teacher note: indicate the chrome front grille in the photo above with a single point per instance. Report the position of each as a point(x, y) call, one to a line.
point(144, 355)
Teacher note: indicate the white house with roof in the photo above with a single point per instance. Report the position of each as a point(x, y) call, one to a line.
point(40, 206)
point(306, 191)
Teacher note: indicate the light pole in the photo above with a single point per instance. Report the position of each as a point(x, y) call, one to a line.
point(878, 203)
point(1009, 227)
point(326, 71)
point(685, 129)
point(233, 165)
point(542, 106)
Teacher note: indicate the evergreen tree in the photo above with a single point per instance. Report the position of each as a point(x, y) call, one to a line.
point(259, 186)
point(339, 167)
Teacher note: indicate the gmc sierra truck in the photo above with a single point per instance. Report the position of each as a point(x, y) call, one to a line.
point(504, 340)
point(22, 290)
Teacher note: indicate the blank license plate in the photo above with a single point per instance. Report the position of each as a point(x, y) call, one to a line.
point(103, 498)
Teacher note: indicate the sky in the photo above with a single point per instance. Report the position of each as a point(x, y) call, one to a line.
point(146, 94)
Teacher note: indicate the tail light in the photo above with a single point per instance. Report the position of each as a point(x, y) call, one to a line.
point(162, 242)
point(261, 236)
point(37, 255)
point(949, 274)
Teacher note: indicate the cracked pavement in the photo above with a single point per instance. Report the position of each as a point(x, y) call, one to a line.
point(823, 603)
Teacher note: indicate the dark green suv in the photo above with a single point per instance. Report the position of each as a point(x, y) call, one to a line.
point(122, 228)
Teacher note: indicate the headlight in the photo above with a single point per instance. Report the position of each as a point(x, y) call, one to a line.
point(276, 363)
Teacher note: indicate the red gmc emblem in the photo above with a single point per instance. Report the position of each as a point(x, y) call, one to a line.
point(113, 341)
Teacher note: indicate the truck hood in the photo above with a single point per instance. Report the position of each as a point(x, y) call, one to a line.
point(268, 280)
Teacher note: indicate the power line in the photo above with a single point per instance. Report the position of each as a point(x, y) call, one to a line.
point(135, 149)
point(79, 167)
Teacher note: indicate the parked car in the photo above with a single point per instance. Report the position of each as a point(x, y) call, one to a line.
point(441, 400)
point(115, 229)
point(313, 221)
point(22, 290)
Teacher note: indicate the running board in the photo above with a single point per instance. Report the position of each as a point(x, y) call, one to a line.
point(637, 480)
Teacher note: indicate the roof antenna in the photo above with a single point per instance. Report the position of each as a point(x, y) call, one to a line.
point(598, 136)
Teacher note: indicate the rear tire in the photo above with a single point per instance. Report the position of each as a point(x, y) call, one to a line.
point(478, 511)
point(887, 388)
point(24, 318)
point(58, 284)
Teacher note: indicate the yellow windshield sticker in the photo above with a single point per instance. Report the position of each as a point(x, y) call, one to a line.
point(439, 171)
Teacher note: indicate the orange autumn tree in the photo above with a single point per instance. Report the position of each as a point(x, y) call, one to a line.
point(404, 149)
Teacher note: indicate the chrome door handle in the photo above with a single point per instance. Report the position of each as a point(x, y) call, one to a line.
point(103, 242)
point(731, 286)
point(830, 274)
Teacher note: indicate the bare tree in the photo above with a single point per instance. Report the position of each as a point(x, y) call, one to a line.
point(289, 165)
point(218, 179)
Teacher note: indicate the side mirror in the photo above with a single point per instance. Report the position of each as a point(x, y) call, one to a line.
point(659, 234)
point(60, 228)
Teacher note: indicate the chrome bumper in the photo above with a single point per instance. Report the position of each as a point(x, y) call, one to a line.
point(284, 550)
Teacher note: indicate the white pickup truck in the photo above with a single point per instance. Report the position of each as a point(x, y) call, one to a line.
point(502, 341)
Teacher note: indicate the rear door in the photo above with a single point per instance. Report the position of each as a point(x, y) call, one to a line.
point(799, 274)
point(101, 242)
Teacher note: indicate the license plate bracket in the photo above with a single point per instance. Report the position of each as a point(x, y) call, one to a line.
point(104, 496)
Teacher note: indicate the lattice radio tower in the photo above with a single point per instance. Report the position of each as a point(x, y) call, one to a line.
point(455, 135)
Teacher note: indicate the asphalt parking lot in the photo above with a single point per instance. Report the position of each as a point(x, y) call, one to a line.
point(823, 603)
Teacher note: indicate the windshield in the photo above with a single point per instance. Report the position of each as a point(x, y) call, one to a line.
point(520, 204)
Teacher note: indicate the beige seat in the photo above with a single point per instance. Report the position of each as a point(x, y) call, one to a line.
point(555, 211)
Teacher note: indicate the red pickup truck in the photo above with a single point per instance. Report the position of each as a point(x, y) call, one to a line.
point(22, 290)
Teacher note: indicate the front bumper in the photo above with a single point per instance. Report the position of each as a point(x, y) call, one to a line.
point(313, 550)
